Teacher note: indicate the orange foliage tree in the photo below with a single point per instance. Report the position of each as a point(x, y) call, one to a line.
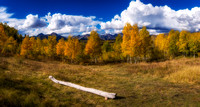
point(93, 47)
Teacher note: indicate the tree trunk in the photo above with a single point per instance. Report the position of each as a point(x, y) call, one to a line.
point(95, 59)
point(135, 60)
point(127, 58)
point(145, 59)
point(91, 90)
point(130, 60)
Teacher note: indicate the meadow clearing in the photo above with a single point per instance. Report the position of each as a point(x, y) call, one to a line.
point(25, 82)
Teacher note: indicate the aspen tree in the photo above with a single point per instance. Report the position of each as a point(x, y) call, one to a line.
point(93, 47)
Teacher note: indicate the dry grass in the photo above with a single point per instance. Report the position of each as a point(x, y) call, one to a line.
point(25, 82)
point(187, 75)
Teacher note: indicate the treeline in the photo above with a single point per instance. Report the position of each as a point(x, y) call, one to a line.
point(134, 46)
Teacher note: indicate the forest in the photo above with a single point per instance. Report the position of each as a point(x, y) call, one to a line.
point(136, 45)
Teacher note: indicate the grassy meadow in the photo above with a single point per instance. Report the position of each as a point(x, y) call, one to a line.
point(25, 82)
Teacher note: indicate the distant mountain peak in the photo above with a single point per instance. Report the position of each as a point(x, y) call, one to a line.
point(80, 37)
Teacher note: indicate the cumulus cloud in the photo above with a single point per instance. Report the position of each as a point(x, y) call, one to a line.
point(59, 23)
point(158, 19)
point(155, 17)
point(70, 24)
point(32, 21)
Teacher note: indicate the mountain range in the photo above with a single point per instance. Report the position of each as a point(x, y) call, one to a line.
point(80, 37)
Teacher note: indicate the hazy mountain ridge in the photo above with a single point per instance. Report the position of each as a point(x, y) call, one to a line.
point(80, 37)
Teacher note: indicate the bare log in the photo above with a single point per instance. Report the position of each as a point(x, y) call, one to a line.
point(90, 90)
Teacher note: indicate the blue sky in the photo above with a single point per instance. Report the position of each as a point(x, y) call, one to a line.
point(105, 9)
point(106, 16)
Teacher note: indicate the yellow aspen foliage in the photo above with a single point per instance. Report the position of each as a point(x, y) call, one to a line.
point(72, 48)
point(117, 54)
point(50, 48)
point(161, 43)
point(135, 43)
point(60, 47)
point(194, 43)
point(44, 49)
point(93, 47)
point(38, 46)
point(10, 46)
point(25, 46)
point(32, 43)
point(145, 42)
point(126, 39)
point(131, 42)
point(183, 42)
point(172, 39)
point(3, 37)
point(117, 44)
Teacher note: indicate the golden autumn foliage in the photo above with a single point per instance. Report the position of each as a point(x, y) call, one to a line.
point(60, 47)
point(9, 46)
point(135, 42)
point(9, 40)
point(117, 48)
point(135, 45)
point(132, 42)
point(38, 47)
point(25, 46)
point(72, 48)
point(146, 43)
point(183, 42)
point(172, 40)
point(194, 43)
point(3, 38)
point(50, 46)
point(161, 43)
point(126, 39)
point(93, 47)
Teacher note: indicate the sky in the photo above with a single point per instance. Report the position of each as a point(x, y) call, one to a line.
point(78, 17)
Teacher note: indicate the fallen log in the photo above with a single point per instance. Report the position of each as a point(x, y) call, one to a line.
point(90, 90)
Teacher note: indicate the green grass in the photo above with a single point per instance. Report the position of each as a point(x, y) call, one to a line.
point(25, 83)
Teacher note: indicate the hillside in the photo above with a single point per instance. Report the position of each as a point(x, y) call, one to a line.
point(25, 82)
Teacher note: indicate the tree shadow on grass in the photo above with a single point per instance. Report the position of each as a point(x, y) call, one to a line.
point(119, 98)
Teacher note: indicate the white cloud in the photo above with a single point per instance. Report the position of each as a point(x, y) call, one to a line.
point(59, 23)
point(32, 21)
point(62, 23)
point(158, 19)
point(3, 14)
point(155, 17)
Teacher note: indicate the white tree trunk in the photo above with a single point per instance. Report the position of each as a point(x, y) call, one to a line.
point(91, 90)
